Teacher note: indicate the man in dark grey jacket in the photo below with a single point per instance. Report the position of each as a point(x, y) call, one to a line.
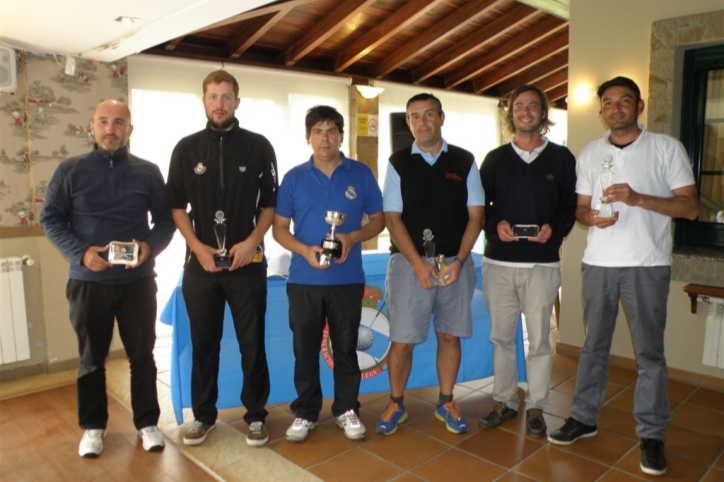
point(96, 213)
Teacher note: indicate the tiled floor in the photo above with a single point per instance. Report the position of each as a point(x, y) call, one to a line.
point(423, 450)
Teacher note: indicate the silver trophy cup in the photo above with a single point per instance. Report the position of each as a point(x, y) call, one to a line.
point(331, 246)
point(222, 259)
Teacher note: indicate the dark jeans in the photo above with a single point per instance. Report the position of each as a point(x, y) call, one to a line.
point(206, 298)
point(93, 309)
point(310, 307)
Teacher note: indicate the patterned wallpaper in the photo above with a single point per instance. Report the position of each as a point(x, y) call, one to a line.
point(46, 121)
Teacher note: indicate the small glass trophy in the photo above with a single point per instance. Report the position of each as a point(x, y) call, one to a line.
point(605, 210)
point(122, 253)
point(332, 247)
point(222, 259)
point(438, 261)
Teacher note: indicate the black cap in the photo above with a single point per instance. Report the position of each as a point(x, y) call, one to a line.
point(620, 81)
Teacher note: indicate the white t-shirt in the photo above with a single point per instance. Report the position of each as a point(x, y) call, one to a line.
point(654, 164)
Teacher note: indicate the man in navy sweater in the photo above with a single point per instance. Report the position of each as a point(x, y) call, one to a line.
point(530, 207)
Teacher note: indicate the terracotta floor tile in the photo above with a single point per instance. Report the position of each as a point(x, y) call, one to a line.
point(714, 475)
point(698, 418)
point(679, 391)
point(617, 476)
point(604, 448)
point(231, 415)
point(318, 447)
point(458, 466)
point(570, 385)
point(694, 445)
point(708, 399)
point(477, 384)
point(500, 447)
point(558, 377)
point(405, 448)
point(720, 463)
point(679, 468)
point(355, 466)
point(432, 427)
point(559, 404)
point(475, 405)
point(618, 422)
point(565, 363)
point(371, 397)
point(621, 376)
point(551, 464)
point(408, 477)
point(622, 401)
point(514, 477)
point(517, 425)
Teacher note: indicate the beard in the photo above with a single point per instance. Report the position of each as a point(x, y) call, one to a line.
point(223, 125)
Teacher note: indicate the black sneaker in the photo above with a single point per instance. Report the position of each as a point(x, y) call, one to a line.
point(571, 431)
point(653, 460)
point(535, 424)
point(497, 415)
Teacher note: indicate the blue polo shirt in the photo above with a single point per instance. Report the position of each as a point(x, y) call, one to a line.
point(305, 196)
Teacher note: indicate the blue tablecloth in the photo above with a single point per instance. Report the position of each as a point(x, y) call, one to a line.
point(477, 351)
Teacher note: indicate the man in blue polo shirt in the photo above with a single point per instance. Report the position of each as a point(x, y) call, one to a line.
point(321, 293)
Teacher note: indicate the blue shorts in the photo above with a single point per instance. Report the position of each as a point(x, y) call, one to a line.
point(410, 307)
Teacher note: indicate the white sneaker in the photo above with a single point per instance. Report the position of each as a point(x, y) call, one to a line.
point(91, 445)
point(152, 439)
point(300, 429)
point(353, 428)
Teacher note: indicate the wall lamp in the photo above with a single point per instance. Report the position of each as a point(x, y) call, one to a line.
point(369, 91)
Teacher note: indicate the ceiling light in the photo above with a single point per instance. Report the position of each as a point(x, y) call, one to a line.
point(127, 20)
point(369, 91)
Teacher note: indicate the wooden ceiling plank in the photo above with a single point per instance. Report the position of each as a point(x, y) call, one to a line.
point(530, 59)
point(251, 31)
point(174, 43)
point(332, 22)
point(534, 74)
point(522, 42)
point(441, 30)
point(487, 33)
point(396, 22)
point(557, 93)
point(554, 80)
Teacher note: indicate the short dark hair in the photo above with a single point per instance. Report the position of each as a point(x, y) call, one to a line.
point(546, 122)
point(219, 76)
point(622, 82)
point(421, 98)
point(323, 113)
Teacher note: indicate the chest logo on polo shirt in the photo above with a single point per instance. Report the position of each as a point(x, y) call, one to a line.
point(350, 193)
point(453, 176)
point(550, 177)
point(242, 168)
point(200, 168)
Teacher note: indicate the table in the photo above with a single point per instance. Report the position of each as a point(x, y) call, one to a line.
point(477, 351)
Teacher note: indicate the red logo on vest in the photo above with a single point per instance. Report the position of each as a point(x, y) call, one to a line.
point(453, 176)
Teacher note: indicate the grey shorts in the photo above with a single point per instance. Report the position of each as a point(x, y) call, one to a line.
point(410, 307)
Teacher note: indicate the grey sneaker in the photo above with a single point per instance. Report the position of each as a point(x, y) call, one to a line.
point(91, 445)
point(257, 435)
point(197, 433)
point(152, 439)
point(497, 415)
point(353, 428)
point(299, 430)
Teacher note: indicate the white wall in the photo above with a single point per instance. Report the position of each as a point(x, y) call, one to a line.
point(608, 39)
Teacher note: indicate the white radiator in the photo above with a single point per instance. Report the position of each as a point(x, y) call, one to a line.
point(714, 338)
point(14, 344)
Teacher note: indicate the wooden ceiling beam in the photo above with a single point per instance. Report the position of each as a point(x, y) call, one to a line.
point(174, 43)
point(520, 43)
point(332, 22)
point(252, 30)
point(554, 80)
point(438, 32)
point(486, 34)
point(389, 27)
point(557, 93)
point(534, 57)
point(534, 74)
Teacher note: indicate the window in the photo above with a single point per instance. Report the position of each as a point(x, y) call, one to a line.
point(702, 133)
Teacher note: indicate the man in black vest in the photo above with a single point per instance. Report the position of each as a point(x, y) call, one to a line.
point(530, 206)
point(433, 205)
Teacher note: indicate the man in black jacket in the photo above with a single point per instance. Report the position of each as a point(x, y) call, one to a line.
point(93, 200)
point(228, 176)
point(530, 206)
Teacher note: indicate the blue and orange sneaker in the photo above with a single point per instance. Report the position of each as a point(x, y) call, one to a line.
point(454, 420)
point(394, 415)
